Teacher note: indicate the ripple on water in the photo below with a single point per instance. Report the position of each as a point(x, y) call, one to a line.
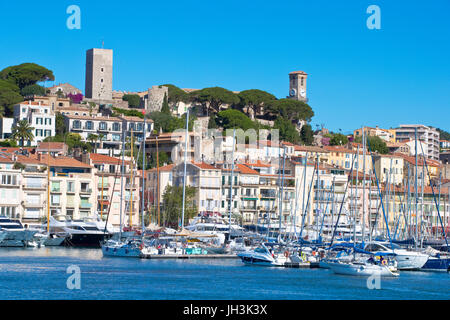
point(41, 274)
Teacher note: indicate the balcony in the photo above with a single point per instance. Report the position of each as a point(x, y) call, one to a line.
point(33, 186)
point(105, 185)
point(87, 190)
point(84, 205)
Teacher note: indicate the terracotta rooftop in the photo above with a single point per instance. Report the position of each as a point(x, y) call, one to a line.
point(51, 145)
point(101, 158)
point(204, 166)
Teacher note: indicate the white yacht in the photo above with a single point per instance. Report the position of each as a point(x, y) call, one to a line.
point(406, 260)
point(216, 227)
point(78, 232)
point(14, 234)
point(263, 256)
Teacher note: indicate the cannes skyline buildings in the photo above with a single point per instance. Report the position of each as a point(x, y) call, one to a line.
point(399, 74)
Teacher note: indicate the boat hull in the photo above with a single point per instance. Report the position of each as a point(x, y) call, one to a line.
point(437, 264)
point(365, 270)
point(121, 252)
point(411, 262)
point(89, 240)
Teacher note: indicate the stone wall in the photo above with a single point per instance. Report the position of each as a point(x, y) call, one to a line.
point(156, 98)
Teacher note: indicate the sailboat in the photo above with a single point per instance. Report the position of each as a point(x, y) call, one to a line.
point(359, 265)
point(130, 245)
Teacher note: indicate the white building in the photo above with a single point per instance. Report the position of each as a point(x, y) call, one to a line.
point(6, 125)
point(429, 135)
point(39, 116)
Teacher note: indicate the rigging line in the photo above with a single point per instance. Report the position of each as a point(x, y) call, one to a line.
point(342, 202)
point(307, 204)
point(434, 198)
point(381, 196)
point(112, 195)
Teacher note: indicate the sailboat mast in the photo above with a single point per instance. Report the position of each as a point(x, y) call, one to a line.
point(143, 177)
point(356, 196)
point(364, 189)
point(121, 179)
point(131, 180)
point(231, 185)
point(184, 176)
point(48, 189)
point(281, 195)
point(415, 187)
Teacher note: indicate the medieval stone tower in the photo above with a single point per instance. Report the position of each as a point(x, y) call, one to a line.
point(99, 71)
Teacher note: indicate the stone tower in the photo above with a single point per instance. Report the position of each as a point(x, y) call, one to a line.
point(156, 97)
point(99, 68)
point(297, 85)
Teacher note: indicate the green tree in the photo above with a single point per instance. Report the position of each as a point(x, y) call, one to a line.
point(26, 74)
point(126, 112)
point(172, 205)
point(307, 135)
point(212, 124)
point(376, 144)
point(9, 96)
point(254, 100)
point(134, 100)
point(444, 134)
point(176, 94)
point(290, 109)
point(22, 131)
point(213, 98)
point(8, 143)
point(338, 139)
point(163, 158)
point(33, 90)
point(60, 125)
point(92, 139)
point(165, 106)
point(230, 119)
point(287, 130)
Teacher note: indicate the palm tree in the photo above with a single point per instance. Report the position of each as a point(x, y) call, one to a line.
point(22, 131)
point(92, 138)
point(101, 136)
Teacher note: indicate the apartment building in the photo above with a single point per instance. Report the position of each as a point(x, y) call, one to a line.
point(107, 184)
point(387, 135)
point(430, 136)
point(39, 116)
point(10, 187)
point(108, 129)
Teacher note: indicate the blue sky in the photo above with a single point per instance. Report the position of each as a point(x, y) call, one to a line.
point(399, 74)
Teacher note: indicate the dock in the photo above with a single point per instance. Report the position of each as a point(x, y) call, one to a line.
point(304, 265)
point(189, 256)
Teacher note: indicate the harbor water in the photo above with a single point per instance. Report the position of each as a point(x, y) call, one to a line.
point(42, 273)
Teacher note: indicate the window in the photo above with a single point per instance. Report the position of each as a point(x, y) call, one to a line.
point(301, 81)
point(101, 80)
point(89, 125)
point(131, 126)
point(103, 126)
point(116, 126)
point(76, 124)
point(70, 186)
